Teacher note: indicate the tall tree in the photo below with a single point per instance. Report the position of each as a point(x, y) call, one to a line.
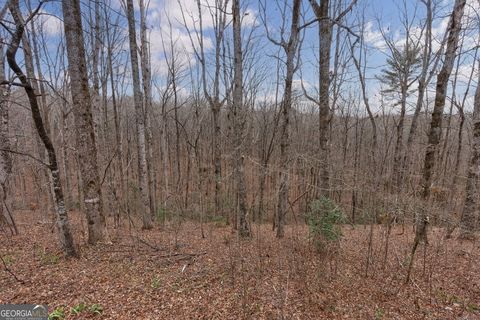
point(435, 131)
point(325, 24)
point(139, 120)
point(397, 77)
point(470, 209)
point(218, 13)
point(291, 49)
point(5, 156)
point(147, 89)
point(63, 226)
point(239, 118)
point(423, 80)
point(84, 127)
point(324, 47)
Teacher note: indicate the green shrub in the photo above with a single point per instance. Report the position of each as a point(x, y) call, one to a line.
point(324, 222)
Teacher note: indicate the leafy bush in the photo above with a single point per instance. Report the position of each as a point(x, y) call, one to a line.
point(324, 219)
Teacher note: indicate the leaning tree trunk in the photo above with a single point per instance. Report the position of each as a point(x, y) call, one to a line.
point(65, 236)
point(435, 132)
point(239, 122)
point(470, 209)
point(140, 121)
point(85, 132)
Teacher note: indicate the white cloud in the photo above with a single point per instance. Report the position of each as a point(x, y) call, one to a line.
point(373, 37)
point(168, 21)
point(49, 23)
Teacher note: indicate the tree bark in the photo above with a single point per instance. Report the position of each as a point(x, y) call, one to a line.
point(140, 121)
point(470, 213)
point(291, 51)
point(239, 115)
point(325, 43)
point(147, 89)
point(65, 237)
point(6, 162)
point(435, 131)
point(84, 127)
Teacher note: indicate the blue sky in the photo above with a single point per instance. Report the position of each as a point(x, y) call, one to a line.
point(165, 21)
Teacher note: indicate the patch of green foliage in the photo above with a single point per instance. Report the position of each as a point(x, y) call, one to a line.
point(379, 313)
point(162, 214)
point(57, 314)
point(78, 308)
point(9, 259)
point(324, 222)
point(155, 284)
point(218, 221)
point(96, 309)
point(82, 307)
point(473, 308)
point(47, 258)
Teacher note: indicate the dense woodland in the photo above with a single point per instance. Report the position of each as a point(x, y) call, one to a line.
point(246, 123)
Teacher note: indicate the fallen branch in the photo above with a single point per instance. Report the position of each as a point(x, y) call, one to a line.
point(147, 244)
point(10, 271)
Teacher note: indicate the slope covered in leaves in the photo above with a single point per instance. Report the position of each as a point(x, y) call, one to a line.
point(171, 272)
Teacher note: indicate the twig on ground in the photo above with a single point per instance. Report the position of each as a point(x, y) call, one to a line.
point(10, 271)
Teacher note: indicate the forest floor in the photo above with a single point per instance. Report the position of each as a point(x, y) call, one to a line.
point(171, 272)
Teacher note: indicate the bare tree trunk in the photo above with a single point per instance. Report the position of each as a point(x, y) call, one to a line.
point(65, 162)
point(461, 113)
point(398, 151)
point(82, 111)
point(147, 89)
point(5, 157)
point(45, 115)
point(140, 121)
point(96, 105)
point(65, 236)
point(325, 43)
point(217, 159)
point(291, 51)
point(239, 118)
point(121, 181)
point(219, 17)
point(435, 131)
point(468, 222)
point(423, 81)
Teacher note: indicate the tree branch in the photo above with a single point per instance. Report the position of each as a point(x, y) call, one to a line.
point(26, 155)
